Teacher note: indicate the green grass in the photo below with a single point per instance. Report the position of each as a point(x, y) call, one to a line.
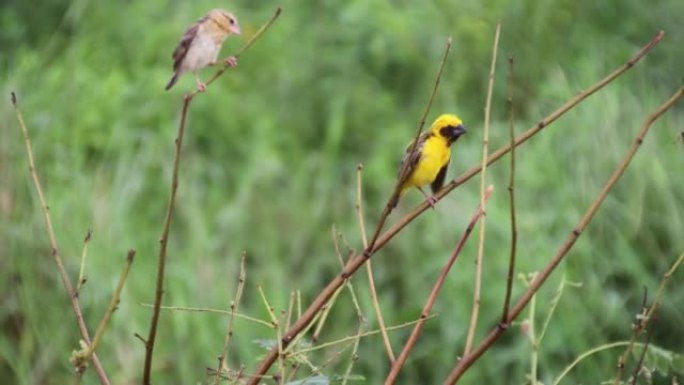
point(269, 166)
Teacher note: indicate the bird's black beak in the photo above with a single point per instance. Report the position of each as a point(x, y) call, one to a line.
point(451, 133)
point(456, 132)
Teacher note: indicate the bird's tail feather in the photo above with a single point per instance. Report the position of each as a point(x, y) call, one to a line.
point(172, 81)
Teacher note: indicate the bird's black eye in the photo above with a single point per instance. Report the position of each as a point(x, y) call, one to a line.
point(232, 21)
point(446, 131)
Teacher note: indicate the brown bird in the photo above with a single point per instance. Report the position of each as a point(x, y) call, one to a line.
point(200, 45)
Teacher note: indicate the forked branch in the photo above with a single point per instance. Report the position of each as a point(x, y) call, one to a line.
point(356, 262)
point(73, 297)
point(494, 335)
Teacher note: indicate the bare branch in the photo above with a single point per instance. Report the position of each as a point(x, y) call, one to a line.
point(483, 178)
point(73, 297)
point(394, 372)
point(324, 296)
point(113, 302)
point(369, 269)
point(234, 305)
point(81, 273)
point(494, 335)
point(511, 192)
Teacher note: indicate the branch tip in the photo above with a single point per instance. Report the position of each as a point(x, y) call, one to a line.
point(130, 256)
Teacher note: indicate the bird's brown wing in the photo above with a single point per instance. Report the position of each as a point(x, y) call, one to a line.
point(411, 158)
point(439, 180)
point(184, 44)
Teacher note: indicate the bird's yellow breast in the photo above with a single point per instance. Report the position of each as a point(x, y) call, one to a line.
point(434, 155)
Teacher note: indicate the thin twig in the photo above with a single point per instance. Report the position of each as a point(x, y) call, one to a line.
point(349, 285)
point(56, 255)
point(324, 296)
point(316, 320)
point(290, 309)
point(209, 310)
point(511, 192)
point(234, 305)
point(161, 264)
point(640, 363)
point(404, 172)
point(494, 335)
point(316, 369)
point(113, 302)
point(479, 260)
point(366, 334)
point(585, 355)
point(276, 326)
point(644, 317)
point(81, 272)
point(362, 322)
point(163, 240)
point(295, 341)
point(354, 354)
point(531, 325)
point(369, 268)
point(554, 304)
point(425, 313)
point(661, 289)
point(531, 328)
point(638, 327)
point(325, 310)
point(359, 205)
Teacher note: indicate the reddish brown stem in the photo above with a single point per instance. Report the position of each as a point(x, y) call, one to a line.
point(539, 280)
point(163, 240)
point(356, 262)
point(394, 372)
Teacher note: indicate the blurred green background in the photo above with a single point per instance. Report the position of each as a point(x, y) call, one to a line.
point(269, 166)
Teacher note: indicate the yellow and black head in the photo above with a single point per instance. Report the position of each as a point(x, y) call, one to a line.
point(448, 126)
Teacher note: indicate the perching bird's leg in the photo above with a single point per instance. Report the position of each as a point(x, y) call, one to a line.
point(200, 86)
point(431, 200)
point(230, 61)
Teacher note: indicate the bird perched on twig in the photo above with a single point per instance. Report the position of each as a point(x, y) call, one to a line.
point(428, 162)
point(200, 45)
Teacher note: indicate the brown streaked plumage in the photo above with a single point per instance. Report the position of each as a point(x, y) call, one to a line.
point(200, 45)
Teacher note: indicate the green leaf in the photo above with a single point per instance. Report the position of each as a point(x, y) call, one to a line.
point(662, 360)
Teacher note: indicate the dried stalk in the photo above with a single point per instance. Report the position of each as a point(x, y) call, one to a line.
point(494, 335)
point(56, 255)
point(356, 262)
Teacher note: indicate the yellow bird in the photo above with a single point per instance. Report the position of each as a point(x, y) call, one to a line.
point(200, 45)
point(429, 161)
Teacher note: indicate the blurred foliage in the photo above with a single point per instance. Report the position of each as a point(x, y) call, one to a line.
point(269, 166)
